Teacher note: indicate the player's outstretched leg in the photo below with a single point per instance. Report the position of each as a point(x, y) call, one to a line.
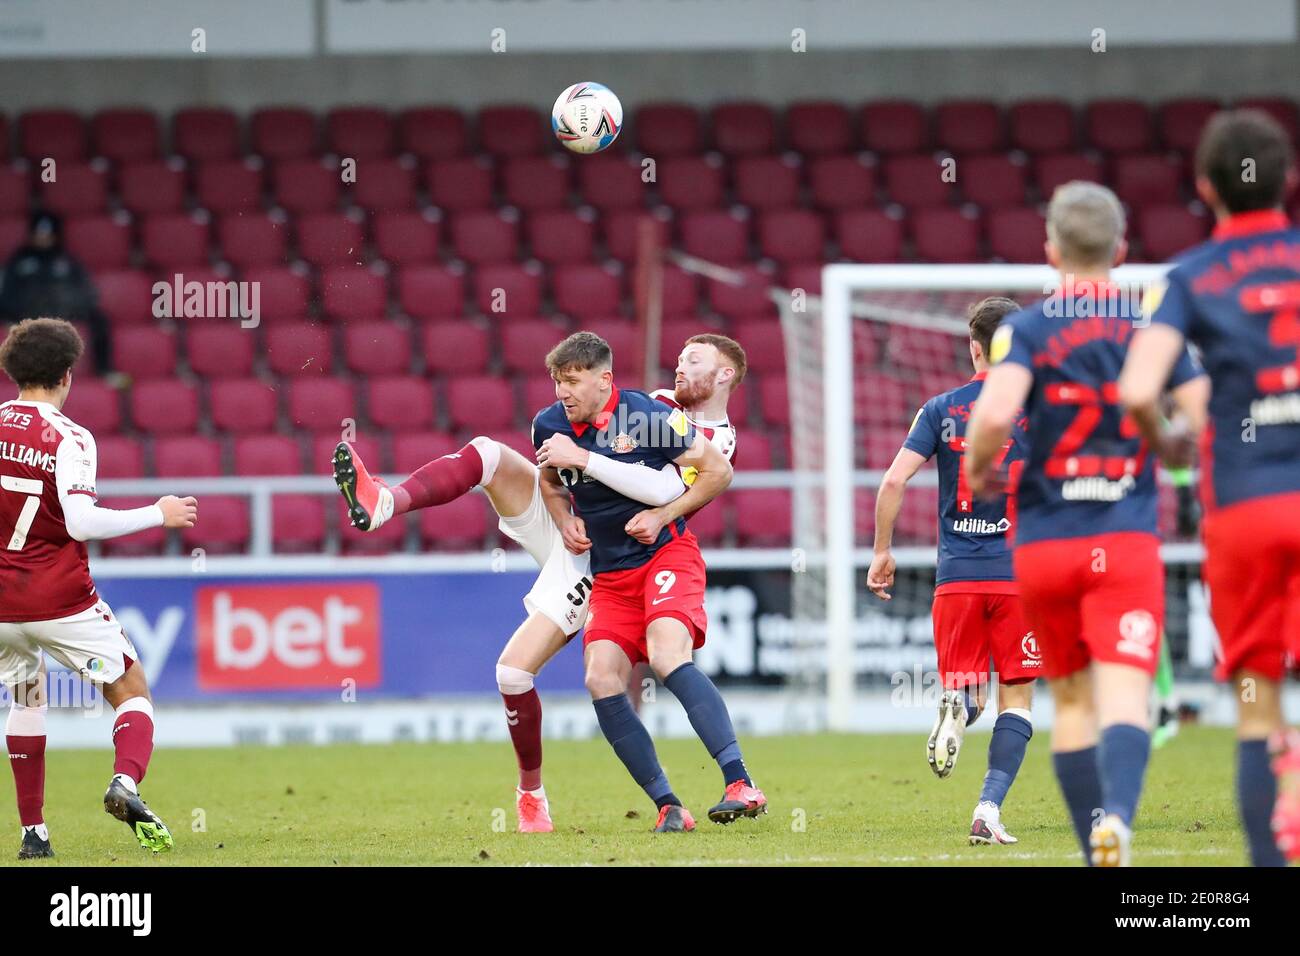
point(1259, 773)
point(669, 645)
point(607, 672)
point(1122, 755)
point(1011, 734)
point(1074, 753)
point(25, 738)
point(133, 746)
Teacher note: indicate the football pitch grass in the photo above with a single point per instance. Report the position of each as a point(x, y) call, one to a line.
point(834, 800)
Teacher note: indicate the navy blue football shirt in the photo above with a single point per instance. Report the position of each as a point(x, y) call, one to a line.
point(972, 531)
point(632, 427)
point(1088, 471)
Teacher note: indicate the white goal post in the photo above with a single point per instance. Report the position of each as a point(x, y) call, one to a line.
point(840, 283)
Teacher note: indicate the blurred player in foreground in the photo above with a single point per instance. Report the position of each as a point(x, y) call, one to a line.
point(976, 608)
point(1237, 298)
point(48, 602)
point(709, 369)
point(1087, 556)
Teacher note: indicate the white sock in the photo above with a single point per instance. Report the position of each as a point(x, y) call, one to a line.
point(539, 793)
point(126, 782)
point(41, 831)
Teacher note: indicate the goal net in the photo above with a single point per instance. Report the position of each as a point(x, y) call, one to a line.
point(862, 358)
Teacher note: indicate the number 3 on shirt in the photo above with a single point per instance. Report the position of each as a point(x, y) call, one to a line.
point(32, 488)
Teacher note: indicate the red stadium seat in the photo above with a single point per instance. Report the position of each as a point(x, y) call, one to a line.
point(622, 229)
point(536, 182)
point(377, 348)
point(774, 400)
point(917, 524)
point(280, 133)
point(819, 128)
point(460, 183)
point(808, 278)
point(118, 455)
point(284, 292)
point(946, 234)
point(923, 350)
point(764, 517)
point(406, 237)
point(13, 233)
point(524, 342)
point(299, 348)
point(917, 180)
point(455, 347)
point(460, 525)
point(720, 236)
point(95, 406)
point(1017, 235)
point(968, 126)
point(1042, 126)
point(750, 299)
point(297, 524)
point(709, 524)
point(432, 132)
point(868, 235)
point(175, 241)
point(611, 182)
point(1282, 110)
point(125, 296)
point(488, 235)
point(414, 450)
point(59, 135)
point(792, 236)
point(508, 289)
point(1166, 231)
point(384, 185)
point(186, 456)
point(165, 407)
point(150, 187)
point(220, 351)
point(359, 132)
point(690, 182)
point(126, 135)
point(321, 404)
point(744, 128)
point(148, 542)
point(233, 185)
point(224, 528)
point(353, 293)
point(561, 235)
point(885, 400)
point(266, 455)
point(1180, 122)
point(625, 341)
point(253, 239)
point(1060, 168)
point(511, 130)
point(79, 189)
point(757, 455)
point(480, 402)
point(539, 392)
point(667, 129)
point(767, 182)
point(144, 352)
point(202, 134)
point(680, 292)
point(330, 239)
point(243, 405)
point(100, 242)
point(307, 185)
point(763, 344)
point(586, 291)
point(991, 181)
point(400, 402)
point(15, 190)
point(1149, 179)
point(894, 126)
point(431, 291)
point(840, 182)
point(1118, 125)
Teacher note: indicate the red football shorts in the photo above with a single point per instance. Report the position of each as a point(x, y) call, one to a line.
point(1252, 568)
point(1099, 598)
point(670, 584)
point(970, 627)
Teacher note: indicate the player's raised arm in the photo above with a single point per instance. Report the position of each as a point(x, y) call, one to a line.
point(74, 474)
point(713, 475)
point(889, 501)
point(650, 486)
point(1000, 401)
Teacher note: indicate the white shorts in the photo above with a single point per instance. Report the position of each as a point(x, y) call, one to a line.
point(90, 642)
point(563, 588)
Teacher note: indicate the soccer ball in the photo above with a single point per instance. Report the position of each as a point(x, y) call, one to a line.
point(587, 117)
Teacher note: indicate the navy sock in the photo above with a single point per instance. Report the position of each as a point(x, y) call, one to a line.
point(631, 741)
point(973, 710)
point(1256, 794)
point(1011, 734)
point(1076, 772)
point(707, 713)
point(1121, 764)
